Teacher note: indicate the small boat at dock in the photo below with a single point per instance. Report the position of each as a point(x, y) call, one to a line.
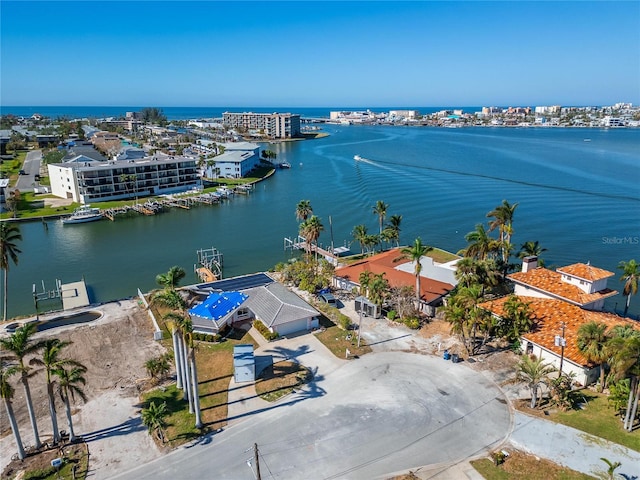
point(83, 214)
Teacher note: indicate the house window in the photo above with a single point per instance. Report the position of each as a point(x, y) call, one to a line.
point(529, 349)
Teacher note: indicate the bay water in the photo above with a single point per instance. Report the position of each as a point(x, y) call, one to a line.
point(577, 191)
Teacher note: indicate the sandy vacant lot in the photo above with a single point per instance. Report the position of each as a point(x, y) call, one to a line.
point(114, 349)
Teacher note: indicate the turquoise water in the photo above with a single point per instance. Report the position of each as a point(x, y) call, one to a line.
point(579, 199)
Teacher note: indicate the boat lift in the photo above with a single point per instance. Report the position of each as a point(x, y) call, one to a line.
point(209, 266)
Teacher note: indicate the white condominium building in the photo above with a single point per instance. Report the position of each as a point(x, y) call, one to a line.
point(86, 180)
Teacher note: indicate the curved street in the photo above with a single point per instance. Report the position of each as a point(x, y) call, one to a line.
point(373, 416)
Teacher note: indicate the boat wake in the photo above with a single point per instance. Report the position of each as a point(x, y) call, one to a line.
point(398, 166)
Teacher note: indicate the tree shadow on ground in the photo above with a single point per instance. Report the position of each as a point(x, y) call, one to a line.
point(130, 425)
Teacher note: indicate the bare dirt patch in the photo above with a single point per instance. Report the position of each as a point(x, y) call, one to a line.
point(114, 350)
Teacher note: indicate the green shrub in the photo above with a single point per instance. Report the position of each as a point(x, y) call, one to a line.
point(264, 331)
point(412, 323)
point(392, 314)
point(344, 322)
point(206, 337)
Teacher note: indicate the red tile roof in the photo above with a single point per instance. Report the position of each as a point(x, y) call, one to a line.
point(551, 283)
point(549, 315)
point(586, 272)
point(386, 262)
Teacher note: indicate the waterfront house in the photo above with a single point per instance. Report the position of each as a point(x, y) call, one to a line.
point(436, 281)
point(553, 318)
point(560, 302)
point(579, 284)
point(256, 297)
point(86, 180)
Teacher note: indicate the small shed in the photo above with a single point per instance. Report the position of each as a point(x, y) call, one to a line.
point(369, 309)
point(244, 364)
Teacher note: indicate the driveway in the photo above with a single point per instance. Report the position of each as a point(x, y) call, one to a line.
point(367, 418)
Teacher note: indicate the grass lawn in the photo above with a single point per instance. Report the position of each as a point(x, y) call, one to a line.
point(338, 340)
point(215, 369)
point(597, 418)
point(521, 466)
point(441, 256)
point(10, 168)
point(280, 379)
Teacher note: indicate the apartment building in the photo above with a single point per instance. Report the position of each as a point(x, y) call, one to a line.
point(86, 180)
point(273, 125)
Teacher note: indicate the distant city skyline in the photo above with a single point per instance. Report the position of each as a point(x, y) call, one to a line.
point(319, 54)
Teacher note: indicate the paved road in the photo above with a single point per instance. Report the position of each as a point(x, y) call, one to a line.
point(382, 413)
point(31, 167)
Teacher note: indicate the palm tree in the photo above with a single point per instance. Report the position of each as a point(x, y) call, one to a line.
point(380, 209)
point(69, 385)
point(531, 249)
point(610, 474)
point(303, 210)
point(481, 245)
point(171, 279)
point(415, 254)
point(630, 277)
point(51, 361)
point(188, 335)
point(378, 290)
point(394, 224)
point(534, 372)
point(9, 235)
point(592, 340)
point(153, 418)
point(625, 361)
point(360, 235)
point(518, 315)
point(20, 345)
point(174, 320)
point(6, 392)
point(503, 220)
point(365, 281)
point(310, 229)
point(168, 298)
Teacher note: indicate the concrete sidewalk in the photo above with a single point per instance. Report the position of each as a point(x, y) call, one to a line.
point(570, 447)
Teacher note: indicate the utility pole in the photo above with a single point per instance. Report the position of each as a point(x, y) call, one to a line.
point(360, 323)
point(257, 460)
point(561, 342)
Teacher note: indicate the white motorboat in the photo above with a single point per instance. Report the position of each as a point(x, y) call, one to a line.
point(357, 158)
point(83, 214)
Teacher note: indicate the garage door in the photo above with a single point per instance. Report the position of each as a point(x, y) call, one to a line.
point(292, 327)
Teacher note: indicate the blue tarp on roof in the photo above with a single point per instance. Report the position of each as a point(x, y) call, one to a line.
point(218, 305)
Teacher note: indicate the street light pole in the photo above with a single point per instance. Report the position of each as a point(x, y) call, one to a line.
point(560, 341)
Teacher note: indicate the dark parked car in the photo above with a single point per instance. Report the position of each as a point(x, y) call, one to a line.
point(36, 177)
point(21, 172)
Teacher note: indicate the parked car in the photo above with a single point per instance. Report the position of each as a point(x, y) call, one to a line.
point(36, 177)
point(328, 298)
point(22, 172)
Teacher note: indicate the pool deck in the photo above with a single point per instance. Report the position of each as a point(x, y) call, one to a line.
point(74, 295)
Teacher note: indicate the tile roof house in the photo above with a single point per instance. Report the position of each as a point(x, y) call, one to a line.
point(579, 284)
point(559, 305)
point(397, 274)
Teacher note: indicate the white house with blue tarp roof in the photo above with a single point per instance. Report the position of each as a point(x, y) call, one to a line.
point(218, 310)
point(265, 300)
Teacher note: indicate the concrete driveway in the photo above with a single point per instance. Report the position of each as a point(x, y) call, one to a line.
point(367, 418)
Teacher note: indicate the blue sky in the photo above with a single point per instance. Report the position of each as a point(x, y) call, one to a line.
point(329, 53)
